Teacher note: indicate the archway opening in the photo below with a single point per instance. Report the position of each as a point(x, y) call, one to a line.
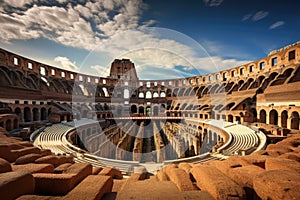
point(273, 117)
point(27, 114)
point(284, 117)
point(295, 120)
point(262, 116)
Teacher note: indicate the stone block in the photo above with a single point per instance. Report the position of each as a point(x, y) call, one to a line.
point(54, 184)
point(81, 170)
point(92, 187)
point(96, 170)
point(5, 153)
point(148, 190)
point(29, 158)
point(282, 164)
point(291, 155)
point(109, 171)
point(161, 176)
point(51, 159)
point(277, 184)
point(15, 184)
point(25, 151)
point(4, 166)
point(217, 184)
point(196, 195)
point(181, 179)
point(185, 166)
point(244, 175)
point(61, 168)
point(33, 168)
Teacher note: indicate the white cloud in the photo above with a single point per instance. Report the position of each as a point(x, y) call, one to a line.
point(102, 71)
point(212, 3)
point(66, 63)
point(260, 15)
point(115, 29)
point(277, 24)
point(246, 17)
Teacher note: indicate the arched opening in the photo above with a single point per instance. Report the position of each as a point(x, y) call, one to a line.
point(27, 114)
point(141, 95)
point(148, 110)
point(162, 94)
point(212, 115)
point(35, 113)
point(105, 91)
point(141, 110)
point(8, 125)
point(148, 95)
point(295, 120)
point(133, 109)
point(253, 114)
point(262, 116)
point(16, 124)
point(230, 118)
point(19, 113)
point(43, 114)
point(155, 95)
point(126, 94)
point(273, 117)
point(284, 117)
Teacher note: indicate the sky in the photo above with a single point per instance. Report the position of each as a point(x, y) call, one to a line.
point(165, 39)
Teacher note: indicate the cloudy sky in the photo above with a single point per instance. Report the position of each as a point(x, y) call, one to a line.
point(165, 39)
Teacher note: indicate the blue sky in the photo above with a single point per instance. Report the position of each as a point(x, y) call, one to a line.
point(165, 39)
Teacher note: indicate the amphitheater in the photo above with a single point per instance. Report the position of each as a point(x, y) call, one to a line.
point(232, 134)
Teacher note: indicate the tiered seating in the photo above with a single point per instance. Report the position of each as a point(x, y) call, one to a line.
point(243, 139)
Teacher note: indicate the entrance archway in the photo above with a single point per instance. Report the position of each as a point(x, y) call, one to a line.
point(262, 116)
point(284, 117)
point(273, 117)
point(295, 120)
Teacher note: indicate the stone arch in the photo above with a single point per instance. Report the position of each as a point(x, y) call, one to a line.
point(273, 118)
point(35, 113)
point(27, 114)
point(253, 116)
point(141, 95)
point(296, 76)
point(230, 118)
point(283, 77)
point(213, 89)
point(262, 116)
point(43, 114)
point(155, 95)
point(18, 112)
point(295, 120)
point(148, 110)
point(162, 94)
point(5, 80)
point(141, 110)
point(133, 109)
point(126, 94)
point(284, 118)
point(148, 95)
